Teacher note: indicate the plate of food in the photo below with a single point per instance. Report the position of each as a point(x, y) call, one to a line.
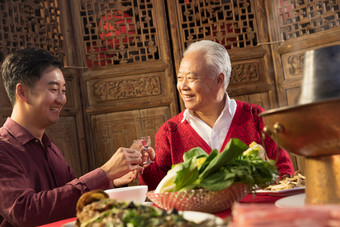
point(96, 208)
point(288, 185)
point(190, 216)
point(284, 192)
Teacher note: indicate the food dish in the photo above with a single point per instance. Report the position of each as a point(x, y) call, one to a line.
point(292, 201)
point(285, 192)
point(193, 216)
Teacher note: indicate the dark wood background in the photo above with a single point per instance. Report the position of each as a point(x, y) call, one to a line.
point(121, 58)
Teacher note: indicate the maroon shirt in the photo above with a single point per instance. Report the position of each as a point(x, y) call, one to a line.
point(36, 184)
point(174, 138)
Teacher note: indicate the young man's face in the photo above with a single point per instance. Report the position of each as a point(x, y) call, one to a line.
point(47, 97)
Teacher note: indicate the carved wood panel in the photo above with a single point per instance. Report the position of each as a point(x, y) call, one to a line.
point(299, 25)
point(299, 18)
point(65, 135)
point(30, 23)
point(124, 88)
point(114, 129)
point(5, 105)
point(119, 32)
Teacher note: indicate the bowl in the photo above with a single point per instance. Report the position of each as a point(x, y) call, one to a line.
point(310, 130)
point(136, 194)
point(202, 200)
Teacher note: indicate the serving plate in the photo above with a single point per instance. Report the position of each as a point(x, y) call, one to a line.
point(193, 216)
point(198, 217)
point(285, 192)
point(292, 201)
point(69, 224)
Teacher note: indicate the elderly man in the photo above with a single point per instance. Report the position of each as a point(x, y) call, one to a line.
point(211, 118)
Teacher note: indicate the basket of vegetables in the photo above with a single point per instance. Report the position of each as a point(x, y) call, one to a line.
point(212, 183)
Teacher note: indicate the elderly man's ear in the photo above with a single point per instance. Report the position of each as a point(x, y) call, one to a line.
point(220, 78)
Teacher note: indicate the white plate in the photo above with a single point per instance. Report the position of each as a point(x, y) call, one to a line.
point(198, 217)
point(285, 192)
point(69, 224)
point(194, 216)
point(292, 201)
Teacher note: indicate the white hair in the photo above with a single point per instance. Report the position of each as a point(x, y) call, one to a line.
point(215, 55)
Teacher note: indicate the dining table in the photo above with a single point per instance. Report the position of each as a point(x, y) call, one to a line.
point(250, 198)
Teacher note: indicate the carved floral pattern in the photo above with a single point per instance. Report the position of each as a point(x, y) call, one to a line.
point(127, 88)
point(244, 73)
point(295, 63)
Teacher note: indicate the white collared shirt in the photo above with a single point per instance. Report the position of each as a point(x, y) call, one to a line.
point(214, 136)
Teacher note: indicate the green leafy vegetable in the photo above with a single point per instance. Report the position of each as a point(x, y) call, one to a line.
point(234, 148)
point(220, 170)
point(194, 152)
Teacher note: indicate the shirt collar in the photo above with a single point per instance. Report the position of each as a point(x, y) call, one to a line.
point(189, 115)
point(21, 134)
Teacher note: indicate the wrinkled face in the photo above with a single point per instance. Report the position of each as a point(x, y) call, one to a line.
point(47, 97)
point(195, 84)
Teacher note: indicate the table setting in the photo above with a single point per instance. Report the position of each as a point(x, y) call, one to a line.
point(191, 192)
point(225, 214)
point(185, 198)
point(198, 192)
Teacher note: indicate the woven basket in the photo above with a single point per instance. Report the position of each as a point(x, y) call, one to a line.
point(199, 200)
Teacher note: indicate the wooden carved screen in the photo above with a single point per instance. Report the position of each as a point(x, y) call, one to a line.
point(38, 24)
point(19, 27)
point(128, 72)
point(240, 27)
point(299, 26)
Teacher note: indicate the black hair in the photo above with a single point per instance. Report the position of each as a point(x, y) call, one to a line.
point(26, 66)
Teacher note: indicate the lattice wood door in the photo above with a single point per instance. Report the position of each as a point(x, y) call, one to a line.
point(127, 76)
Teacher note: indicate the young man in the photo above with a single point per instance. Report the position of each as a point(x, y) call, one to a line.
point(36, 184)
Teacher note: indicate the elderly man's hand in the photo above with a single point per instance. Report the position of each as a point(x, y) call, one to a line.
point(122, 162)
point(126, 179)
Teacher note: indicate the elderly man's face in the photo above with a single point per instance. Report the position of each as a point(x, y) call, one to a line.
point(195, 84)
